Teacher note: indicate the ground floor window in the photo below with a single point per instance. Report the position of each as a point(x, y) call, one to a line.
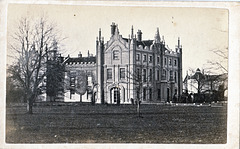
point(159, 92)
point(144, 94)
point(150, 94)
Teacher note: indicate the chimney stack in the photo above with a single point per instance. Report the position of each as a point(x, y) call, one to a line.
point(80, 54)
point(139, 35)
point(113, 28)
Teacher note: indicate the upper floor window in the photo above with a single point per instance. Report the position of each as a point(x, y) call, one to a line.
point(165, 61)
point(138, 57)
point(109, 73)
point(72, 81)
point(122, 73)
point(175, 62)
point(144, 94)
point(116, 55)
point(171, 75)
point(164, 73)
point(89, 81)
point(150, 94)
point(175, 77)
point(158, 59)
point(158, 75)
point(170, 62)
point(138, 73)
point(144, 58)
point(150, 74)
point(144, 75)
point(150, 59)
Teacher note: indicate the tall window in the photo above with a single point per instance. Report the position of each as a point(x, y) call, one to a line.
point(175, 76)
point(175, 62)
point(144, 94)
point(165, 61)
point(109, 73)
point(138, 73)
point(171, 75)
point(150, 94)
point(158, 59)
point(137, 57)
point(164, 74)
point(116, 55)
point(144, 58)
point(73, 78)
point(158, 74)
point(122, 73)
point(89, 81)
point(150, 74)
point(170, 62)
point(144, 75)
point(150, 59)
point(159, 93)
point(72, 81)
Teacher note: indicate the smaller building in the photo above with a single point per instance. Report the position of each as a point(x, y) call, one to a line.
point(206, 87)
point(80, 78)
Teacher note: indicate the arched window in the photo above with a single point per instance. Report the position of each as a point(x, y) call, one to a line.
point(116, 55)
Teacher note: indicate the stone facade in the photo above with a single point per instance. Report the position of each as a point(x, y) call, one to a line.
point(121, 60)
point(127, 69)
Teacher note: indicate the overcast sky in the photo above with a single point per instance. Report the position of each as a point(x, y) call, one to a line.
point(200, 29)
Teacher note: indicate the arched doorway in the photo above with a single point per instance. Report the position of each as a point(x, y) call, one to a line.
point(115, 95)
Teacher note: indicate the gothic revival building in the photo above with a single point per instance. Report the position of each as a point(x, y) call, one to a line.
point(129, 68)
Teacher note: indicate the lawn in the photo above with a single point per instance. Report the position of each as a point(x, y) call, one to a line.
point(83, 123)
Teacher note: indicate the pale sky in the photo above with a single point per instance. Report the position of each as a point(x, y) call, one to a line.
point(200, 29)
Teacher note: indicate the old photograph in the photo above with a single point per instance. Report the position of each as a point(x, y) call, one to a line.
point(80, 74)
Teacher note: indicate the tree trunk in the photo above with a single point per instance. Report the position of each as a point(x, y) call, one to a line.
point(138, 108)
point(81, 98)
point(29, 106)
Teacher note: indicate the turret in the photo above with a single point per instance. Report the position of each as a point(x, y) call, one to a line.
point(179, 46)
point(99, 36)
point(163, 40)
point(157, 36)
point(132, 34)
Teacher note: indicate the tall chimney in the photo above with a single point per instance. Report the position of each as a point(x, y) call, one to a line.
point(113, 28)
point(80, 54)
point(139, 35)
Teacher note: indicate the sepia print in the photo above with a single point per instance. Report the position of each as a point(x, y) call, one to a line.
point(81, 74)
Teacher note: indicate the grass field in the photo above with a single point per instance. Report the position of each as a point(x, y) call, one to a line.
point(82, 123)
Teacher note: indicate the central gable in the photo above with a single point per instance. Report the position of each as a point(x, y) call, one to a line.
point(116, 43)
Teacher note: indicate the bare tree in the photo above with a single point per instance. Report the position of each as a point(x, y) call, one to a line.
point(139, 78)
point(221, 63)
point(31, 42)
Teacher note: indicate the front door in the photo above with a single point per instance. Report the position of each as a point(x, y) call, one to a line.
point(116, 95)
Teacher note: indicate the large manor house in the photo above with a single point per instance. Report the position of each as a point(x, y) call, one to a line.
point(125, 69)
